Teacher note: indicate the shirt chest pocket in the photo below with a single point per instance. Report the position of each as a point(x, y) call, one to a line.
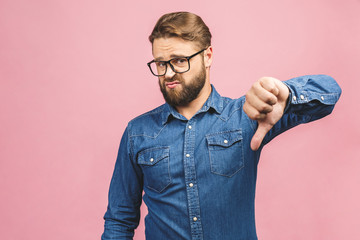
point(155, 165)
point(225, 152)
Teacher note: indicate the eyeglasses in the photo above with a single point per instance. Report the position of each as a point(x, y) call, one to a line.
point(178, 65)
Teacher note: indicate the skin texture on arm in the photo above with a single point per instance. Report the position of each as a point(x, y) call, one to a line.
point(265, 103)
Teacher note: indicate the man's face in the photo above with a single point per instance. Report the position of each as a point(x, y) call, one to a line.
point(179, 89)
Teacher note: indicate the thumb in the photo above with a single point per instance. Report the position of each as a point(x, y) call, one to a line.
point(259, 135)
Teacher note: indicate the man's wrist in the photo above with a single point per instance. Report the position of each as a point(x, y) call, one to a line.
point(288, 100)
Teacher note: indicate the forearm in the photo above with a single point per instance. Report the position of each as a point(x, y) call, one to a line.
point(125, 196)
point(311, 97)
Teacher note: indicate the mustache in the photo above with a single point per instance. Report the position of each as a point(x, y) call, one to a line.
point(174, 78)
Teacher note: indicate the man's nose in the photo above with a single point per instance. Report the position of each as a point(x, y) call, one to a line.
point(169, 72)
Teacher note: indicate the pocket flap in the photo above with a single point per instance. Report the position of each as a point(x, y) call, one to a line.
point(224, 139)
point(151, 156)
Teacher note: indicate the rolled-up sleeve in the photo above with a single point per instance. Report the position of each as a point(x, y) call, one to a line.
point(125, 195)
point(311, 97)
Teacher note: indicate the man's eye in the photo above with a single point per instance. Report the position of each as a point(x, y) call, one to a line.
point(161, 64)
point(178, 61)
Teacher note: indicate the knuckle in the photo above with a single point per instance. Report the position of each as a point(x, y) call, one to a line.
point(256, 85)
point(249, 97)
point(258, 116)
point(263, 78)
point(253, 115)
point(264, 108)
point(269, 109)
point(271, 100)
point(272, 88)
point(268, 99)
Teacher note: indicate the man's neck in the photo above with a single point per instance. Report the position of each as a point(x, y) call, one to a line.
point(189, 110)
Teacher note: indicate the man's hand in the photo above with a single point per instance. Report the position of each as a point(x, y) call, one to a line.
point(265, 102)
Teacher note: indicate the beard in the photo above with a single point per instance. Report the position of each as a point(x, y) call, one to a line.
point(187, 93)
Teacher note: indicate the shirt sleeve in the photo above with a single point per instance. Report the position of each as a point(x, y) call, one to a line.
point(311, 97)
point(125, 195)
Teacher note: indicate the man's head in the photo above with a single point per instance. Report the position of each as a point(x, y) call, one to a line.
point(181, 44)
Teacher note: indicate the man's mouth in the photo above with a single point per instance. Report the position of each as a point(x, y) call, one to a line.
point(172, 84)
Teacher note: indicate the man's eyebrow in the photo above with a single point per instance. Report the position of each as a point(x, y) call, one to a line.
point(171, 57)
point(159, 59)
point(177, 55)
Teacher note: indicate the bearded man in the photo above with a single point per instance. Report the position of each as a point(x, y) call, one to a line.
point(196, 156)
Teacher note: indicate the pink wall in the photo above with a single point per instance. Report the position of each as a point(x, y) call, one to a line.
point(72, 73)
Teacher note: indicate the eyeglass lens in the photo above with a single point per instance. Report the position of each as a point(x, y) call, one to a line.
point(178, 65)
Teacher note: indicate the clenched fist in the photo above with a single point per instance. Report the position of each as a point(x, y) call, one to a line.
point(265, 102)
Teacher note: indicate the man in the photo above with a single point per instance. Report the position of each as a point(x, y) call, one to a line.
point(196, 156)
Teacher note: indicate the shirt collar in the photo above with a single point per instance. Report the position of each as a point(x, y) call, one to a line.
point(214, 101)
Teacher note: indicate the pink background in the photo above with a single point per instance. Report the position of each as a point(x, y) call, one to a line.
point(73, 73)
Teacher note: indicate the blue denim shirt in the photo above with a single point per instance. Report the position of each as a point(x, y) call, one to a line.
point(199, 175)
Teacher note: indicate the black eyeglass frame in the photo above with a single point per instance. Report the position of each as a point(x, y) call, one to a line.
point(172, 67)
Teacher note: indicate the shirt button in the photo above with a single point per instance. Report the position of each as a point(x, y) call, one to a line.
point(151, 159)
point(294, 97)
point(226, 141)
point(302, 97)
point(195, 219)
point(187, 155)
point(190, 127)
point(191, 184)
point(322, 98)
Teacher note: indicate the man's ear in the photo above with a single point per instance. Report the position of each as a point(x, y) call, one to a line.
point(208, 56)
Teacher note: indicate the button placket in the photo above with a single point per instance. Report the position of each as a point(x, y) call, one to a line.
point(190, 181)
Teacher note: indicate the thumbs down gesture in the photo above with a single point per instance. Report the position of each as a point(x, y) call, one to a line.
point(265, 103)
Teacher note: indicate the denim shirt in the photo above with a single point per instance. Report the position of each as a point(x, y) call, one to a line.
point(199, 175)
